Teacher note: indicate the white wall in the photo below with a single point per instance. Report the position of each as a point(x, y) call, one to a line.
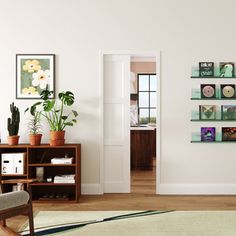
point(186, 32)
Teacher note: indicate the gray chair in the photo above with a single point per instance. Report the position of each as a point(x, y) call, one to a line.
point(14, 204)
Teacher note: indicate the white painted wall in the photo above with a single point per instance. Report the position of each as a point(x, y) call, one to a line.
point(186, 31)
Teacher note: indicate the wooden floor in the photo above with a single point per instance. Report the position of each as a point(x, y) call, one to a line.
point(142, 197)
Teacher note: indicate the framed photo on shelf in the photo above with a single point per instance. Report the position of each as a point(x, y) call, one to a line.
point(34, 72)
point(228, 133)
point(207, 112)
point(208, 134)
point(208, 90)
point(228, 112)
point(227, 90)
point(206, 69)
point(226, 69)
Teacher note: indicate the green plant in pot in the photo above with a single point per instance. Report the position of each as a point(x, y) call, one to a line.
point(13, 125)
point(34, 126)
point(56, 113)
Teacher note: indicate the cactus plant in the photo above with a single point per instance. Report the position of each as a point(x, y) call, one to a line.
point(14, 121)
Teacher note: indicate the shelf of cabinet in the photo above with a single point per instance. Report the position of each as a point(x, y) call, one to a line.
point(12, 175)
point(49, 164)
point(52, 184)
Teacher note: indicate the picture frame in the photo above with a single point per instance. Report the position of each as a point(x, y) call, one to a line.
point(227, 91)
point(207, 112)
point(208, 134)
point(228, 134)
point(228, 112)
point(208, 91)
point(34, 72)
point(227, 69)
point(206, 69)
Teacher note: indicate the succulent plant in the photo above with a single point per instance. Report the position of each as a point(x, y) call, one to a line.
point(14, 121)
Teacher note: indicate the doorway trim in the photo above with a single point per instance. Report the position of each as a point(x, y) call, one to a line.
point(131, 53)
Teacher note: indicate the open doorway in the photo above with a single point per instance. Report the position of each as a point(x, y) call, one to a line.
point(143, 113)
point(115, 106)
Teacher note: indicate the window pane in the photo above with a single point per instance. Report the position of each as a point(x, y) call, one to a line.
point(153, 82)
point(153, 99)
point(143, 82)
point(153, 115)
point(143, 99)
point(143, 116)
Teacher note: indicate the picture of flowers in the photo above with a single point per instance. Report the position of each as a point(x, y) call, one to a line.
point(34, 72)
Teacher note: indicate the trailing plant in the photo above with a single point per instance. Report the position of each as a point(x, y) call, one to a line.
point(14, 121)
point(55, 110)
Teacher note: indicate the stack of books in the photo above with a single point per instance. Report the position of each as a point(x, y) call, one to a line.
point(69, 179)
point(62, 160)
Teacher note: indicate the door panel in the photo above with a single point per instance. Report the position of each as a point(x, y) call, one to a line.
point(116, 124)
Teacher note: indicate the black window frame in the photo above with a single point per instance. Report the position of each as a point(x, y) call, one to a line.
point(149, 108)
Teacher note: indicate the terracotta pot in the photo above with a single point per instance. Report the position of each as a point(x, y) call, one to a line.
point(55, 135)
point(58, 142)
point(35, 139)
point(13, 140)
point(57, 138)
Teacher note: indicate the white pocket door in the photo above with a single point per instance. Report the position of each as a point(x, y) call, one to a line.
point(116, 123)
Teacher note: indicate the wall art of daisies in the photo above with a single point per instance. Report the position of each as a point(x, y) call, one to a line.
point(34, 72)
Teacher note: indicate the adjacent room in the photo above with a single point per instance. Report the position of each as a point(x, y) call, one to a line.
point(117, 117)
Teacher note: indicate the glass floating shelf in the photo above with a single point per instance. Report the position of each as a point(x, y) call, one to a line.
point(213, 99)
point(216, 120)
point(213, 141)
point(212, 77)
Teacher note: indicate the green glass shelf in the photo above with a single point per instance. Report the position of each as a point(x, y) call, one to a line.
point(213, 99)
point(213, 141)
point(216, 120)
point(212, 77)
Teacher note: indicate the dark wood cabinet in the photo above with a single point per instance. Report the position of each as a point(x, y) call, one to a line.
point(40, 156)
point(142, 149)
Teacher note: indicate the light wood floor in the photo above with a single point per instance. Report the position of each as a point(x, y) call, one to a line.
point(142, 197)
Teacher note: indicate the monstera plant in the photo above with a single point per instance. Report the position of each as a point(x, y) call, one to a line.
point(57, 115)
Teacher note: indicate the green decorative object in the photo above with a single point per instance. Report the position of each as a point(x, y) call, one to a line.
point(14, 121)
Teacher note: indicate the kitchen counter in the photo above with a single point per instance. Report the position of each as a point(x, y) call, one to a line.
point(142, 128)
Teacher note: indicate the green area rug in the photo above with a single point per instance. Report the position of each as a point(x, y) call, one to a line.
point(135, 223)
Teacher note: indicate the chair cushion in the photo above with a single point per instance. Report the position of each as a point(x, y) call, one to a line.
point(13, 199)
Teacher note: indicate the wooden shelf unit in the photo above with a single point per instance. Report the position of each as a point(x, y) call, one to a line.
point(40, 156)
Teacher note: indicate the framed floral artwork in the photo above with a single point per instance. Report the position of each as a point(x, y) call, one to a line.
point(34, 72)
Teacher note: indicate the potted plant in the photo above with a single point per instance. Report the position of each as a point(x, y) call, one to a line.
point(34, 126)
point(56, 114)
point(13, 125)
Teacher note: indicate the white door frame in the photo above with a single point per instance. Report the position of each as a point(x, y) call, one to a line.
point(157, 55)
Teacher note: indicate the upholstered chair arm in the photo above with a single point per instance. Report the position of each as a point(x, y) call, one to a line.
point(13, 199)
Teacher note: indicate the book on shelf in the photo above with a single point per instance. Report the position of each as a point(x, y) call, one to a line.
point(62, 160)
point(64, 179)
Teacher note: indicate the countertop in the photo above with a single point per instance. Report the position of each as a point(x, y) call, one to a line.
point(142, 128)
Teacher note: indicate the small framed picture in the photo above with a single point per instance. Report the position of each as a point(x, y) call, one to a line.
point(226, 69)
point(207, 112)
point(227, 90)
point(228, 133)
point(34, 72)
point(208, 134)
point(206, 69)
point(228, 112)
point(208, 90)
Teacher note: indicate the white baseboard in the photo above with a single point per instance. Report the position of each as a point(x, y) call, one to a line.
point(91, 189)
point(208, 189)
